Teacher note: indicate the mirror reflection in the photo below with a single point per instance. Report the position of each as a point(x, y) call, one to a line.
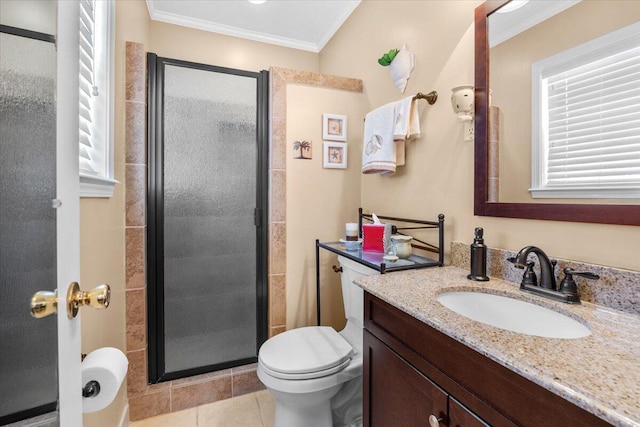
point(519, 39)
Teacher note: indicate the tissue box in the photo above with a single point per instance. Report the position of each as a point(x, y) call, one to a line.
point(373, 236)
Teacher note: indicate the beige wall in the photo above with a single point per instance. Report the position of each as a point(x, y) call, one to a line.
point(319, 201)
point(102, 261)
point(102, 237)
point(438, 176)
point(511, 82)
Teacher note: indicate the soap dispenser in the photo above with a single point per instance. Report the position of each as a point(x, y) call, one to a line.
point(478, 258)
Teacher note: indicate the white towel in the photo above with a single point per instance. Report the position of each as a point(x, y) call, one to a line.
point(407, 126)
point(378, 148)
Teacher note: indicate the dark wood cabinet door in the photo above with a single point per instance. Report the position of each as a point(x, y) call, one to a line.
point(396, 394)
point(459, 416)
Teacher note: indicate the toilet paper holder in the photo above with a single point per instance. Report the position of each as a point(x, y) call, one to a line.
point(91, 389)
point(103, 371)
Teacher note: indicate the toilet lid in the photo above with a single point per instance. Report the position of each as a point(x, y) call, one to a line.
point(305, 350)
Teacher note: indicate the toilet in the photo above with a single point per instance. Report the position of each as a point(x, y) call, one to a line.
point(315, 373)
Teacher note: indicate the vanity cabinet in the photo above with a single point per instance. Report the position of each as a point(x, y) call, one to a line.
point(403, 396)
point(412, 371)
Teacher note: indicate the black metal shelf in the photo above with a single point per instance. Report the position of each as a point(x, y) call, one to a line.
point(375, 261)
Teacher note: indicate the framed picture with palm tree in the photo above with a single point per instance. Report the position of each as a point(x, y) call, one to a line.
point(302, 150)
point(335, 155)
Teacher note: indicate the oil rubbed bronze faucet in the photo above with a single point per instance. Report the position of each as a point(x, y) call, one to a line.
point(568, 291)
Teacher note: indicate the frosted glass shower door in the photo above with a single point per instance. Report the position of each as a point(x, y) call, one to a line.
point(208, 272)
point(28, 346)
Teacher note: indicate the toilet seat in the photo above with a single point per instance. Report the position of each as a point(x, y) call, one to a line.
point(304, 353)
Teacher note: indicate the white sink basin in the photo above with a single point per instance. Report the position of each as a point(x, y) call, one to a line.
point(513, 315)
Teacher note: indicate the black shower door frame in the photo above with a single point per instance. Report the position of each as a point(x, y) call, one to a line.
point(155, 215)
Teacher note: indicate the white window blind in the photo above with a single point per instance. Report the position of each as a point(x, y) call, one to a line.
point(95, 98)
point(89, 156)
point(589, 120)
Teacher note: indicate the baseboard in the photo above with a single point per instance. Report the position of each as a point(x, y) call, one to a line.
point(124, 421)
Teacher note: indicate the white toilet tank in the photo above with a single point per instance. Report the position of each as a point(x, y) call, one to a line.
point(353, 295)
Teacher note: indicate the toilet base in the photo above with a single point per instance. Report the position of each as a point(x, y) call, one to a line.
point(308, 409)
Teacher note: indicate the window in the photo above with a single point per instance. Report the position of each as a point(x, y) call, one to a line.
point(96, 98)
point(586, 119)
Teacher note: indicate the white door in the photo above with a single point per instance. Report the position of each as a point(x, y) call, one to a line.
point(39, 206)
point(68, 213)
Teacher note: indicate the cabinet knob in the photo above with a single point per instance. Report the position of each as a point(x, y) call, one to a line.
point(434, 421)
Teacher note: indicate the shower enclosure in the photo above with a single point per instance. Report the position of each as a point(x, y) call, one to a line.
point(28, 346)
point(207, 225)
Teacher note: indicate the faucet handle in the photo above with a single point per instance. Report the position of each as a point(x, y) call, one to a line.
point(569, 287)
point(585, 274)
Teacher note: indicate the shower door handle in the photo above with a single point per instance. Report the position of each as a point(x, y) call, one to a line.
point(257, 217)
point(45, 303)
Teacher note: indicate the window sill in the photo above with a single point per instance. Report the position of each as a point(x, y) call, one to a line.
point(585, 193)
point(96, 186)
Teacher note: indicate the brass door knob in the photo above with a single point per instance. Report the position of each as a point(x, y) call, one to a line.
point(44, 303)
point(97, 298)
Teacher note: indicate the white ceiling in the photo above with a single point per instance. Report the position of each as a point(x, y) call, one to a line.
point(299, 24)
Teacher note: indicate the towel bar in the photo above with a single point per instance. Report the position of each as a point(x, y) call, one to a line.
point(431, 97)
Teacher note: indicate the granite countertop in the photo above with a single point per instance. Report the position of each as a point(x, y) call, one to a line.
point(599, 373)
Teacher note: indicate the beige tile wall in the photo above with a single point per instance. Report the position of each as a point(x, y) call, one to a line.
point(147, 400)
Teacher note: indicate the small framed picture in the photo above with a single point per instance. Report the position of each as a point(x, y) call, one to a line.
point(335, 155)
point(302, 150)
point(334, 127)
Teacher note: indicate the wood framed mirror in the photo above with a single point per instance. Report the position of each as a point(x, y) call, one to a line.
point(624, 214)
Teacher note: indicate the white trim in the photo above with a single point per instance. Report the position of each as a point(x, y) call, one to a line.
point(110, 81)
point(96, 186)
point(538, 146)
point(585, 193)
point(201, 24)
point(124, 419)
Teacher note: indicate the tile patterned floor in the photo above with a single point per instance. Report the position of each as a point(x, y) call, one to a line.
point(250, 410)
